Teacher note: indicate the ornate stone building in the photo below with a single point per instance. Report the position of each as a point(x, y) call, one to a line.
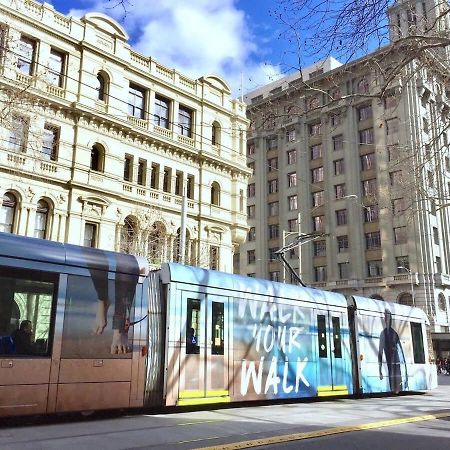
point(102, 146)
point(361, 160)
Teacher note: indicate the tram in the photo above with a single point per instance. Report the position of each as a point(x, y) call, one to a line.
point(83, 329)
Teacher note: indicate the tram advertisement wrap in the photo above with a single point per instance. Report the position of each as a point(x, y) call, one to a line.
point(386, 348)
point(99, 307)
point(273, 347)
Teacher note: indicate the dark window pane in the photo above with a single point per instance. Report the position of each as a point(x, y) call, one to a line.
point(417, 340)
point(322, 336)
point(192, 326)
point(337, 337)
point(217, 332)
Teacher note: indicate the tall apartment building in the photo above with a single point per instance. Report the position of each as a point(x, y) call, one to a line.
point(101, 146)
point(365, 165)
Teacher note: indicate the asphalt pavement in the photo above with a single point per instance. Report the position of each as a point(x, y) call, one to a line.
point(412, 422)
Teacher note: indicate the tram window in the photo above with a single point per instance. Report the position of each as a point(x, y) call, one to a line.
point(337, 337)
point(322, 336)
point(417, 341)
point(217, 331)
point(192, 326)
point(26, 312)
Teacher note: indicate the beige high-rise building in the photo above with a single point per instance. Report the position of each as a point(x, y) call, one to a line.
point(102, 146)
point(362, 164)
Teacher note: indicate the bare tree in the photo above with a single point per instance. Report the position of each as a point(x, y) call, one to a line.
point(348, 29)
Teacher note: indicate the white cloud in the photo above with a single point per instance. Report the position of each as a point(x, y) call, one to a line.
point(199, 37)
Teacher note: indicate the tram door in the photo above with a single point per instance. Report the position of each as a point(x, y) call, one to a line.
point(204, 370)
point(331, 364)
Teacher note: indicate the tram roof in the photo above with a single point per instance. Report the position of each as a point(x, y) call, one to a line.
point(380, 306)
point(174, 272)
point(50, 252)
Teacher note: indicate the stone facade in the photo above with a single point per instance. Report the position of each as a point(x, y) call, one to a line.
point(365, 165)
point(102, 146)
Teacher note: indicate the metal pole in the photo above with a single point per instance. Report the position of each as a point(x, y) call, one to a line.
point(299, 224)
point(412, 288)
point(182, 248)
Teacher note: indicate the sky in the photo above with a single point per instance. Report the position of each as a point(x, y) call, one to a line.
point(235, 39)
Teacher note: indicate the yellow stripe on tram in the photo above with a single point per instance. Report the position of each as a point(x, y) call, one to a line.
point(328, 391)
point(198, 397)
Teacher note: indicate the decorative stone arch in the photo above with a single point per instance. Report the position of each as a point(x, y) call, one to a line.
point(10, 205)
point(94, 205)
point(17, 192)
point(215, 233)
point(54, 199)
point(217, 82)
point(106, 24)
point(405, 298)
point(47, 199)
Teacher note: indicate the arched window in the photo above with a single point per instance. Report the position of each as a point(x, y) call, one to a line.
point(8, 212)
point(363, 86)
point(442, 304)
point(215, 133)
point(176, 247)
point(405, 299)
point(128, 235)
point(314, 102)
point(241, 142)
point(97, 158)
point(335, 94)
point(215, 194)
point(41, 221)
point(101, 87)
point(157, 244)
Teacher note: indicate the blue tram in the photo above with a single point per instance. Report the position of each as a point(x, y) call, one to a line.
point(85, 329)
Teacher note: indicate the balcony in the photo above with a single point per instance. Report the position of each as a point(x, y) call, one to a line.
point(36, 165)
point(402, 278)
point(140, 123)
point(186, 140)
point(163, 131)
point(343, 284)
point(24, 79)
point(424, 87)
point(56, 91)
point(374, 280)
point(442, 279)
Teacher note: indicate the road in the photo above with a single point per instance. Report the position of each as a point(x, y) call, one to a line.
point(412, 422)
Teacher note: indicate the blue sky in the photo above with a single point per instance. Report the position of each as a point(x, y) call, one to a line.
point(200, 37)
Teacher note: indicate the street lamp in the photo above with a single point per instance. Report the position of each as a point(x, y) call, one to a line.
point(411, 280)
